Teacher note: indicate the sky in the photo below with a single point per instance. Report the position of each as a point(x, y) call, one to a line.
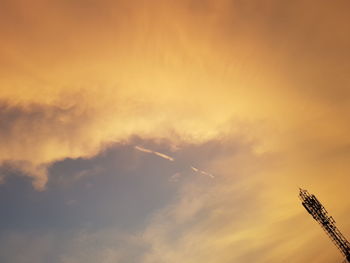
point(163, 131)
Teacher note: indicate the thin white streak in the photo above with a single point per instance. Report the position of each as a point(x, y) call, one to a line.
point(194, 169)
point(169, 158)
point(141, 149)
point(202, 172)
point(208, 174)
point(164, 156)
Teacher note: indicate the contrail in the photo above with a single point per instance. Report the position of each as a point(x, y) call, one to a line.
point(196, 170)
point(162, 155)
point(208, 174)
point(169, 158)
point(141, 149)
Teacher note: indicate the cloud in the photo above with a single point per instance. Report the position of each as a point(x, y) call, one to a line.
point(246, 215)
point(269, 75)
point(133, 211)
point(19, 247)
point(36, 135)
point(181, 71)
point(175, 177)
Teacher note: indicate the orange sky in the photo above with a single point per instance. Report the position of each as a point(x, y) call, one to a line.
point(76, 76)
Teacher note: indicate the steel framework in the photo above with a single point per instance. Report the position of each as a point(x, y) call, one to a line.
point(320, 214)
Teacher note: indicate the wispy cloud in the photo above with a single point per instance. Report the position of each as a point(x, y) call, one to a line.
point(175, 177)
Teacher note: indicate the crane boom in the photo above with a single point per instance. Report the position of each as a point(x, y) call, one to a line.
point(320, 214)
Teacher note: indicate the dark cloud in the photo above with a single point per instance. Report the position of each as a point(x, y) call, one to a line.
point(41, 119)
point(119, 189)
point(27, 131)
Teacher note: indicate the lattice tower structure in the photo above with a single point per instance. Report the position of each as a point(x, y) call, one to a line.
point(320, 214)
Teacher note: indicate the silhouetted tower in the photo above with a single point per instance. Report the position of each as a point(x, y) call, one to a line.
point(320, 214)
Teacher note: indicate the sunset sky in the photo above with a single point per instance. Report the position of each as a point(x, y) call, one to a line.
point(163, 131)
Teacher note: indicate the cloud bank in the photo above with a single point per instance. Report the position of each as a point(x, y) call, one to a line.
point(255, 92)
point(184, 70)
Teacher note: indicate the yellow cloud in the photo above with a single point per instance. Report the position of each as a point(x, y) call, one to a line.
point(76, 75)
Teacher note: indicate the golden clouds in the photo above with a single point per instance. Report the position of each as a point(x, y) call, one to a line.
point(249, 213)
point(81, 76)
point(77, 75)
point(103, 71)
